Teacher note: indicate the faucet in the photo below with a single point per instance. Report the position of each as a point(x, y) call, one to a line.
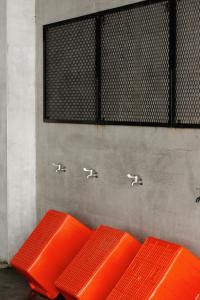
point(92, 173)
point(59, 167)
point(135, 179)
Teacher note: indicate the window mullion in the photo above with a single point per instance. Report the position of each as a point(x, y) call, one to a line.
point(98, 68)
point(172, 62)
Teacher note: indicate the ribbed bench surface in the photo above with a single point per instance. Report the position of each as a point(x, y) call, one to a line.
point(99, 264)
point(160, 270)
point(49, 249)
point(39, 239)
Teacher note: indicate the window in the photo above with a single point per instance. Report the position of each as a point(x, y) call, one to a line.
point(188, 63)
point(70, 72)
point(135, 57)
point(133, 65)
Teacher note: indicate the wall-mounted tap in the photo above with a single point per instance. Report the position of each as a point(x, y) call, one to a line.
point(135, 179)
point(60, 168)
point(92, 173)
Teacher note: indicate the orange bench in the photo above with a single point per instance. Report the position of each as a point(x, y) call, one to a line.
point(160, 271)
point(99, 265)
point(49, 249)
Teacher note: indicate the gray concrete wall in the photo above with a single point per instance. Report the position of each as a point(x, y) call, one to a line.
point(167, 159)
point(20, 121)
point(3, 148)
point(17, 117)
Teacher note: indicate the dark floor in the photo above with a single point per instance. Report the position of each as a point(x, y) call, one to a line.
point(14, 287)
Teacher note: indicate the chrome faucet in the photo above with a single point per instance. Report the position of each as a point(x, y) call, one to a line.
point(59, 167)
point(92, 173)
point(135, 179)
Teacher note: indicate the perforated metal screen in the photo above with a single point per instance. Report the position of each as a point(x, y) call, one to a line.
point(70, 71)
point(135, 59)
point(188, 62)
point(134, 65)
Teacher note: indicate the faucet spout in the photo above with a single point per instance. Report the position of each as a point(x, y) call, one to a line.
point(92, 173)
point(135, 179)
point(59, 167)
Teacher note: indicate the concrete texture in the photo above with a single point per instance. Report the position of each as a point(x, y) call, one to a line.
point(20, 121)
point(17, 189)
point(167, 159)
point(3, 147)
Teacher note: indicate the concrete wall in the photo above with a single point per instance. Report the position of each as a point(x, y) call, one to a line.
point(20, 121)
point(3, 148)
point(17, 56)
point(167, 159)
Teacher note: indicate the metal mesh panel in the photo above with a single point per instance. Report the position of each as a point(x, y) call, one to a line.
point(135, 59)
point(118, 73)
point(188, 62)
point(70, 71)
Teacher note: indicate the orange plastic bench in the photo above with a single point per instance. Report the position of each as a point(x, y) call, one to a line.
point(99, 265)
point(49, 249)
point(160, 271)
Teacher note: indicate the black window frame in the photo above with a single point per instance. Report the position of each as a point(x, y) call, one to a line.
point(171, 5)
